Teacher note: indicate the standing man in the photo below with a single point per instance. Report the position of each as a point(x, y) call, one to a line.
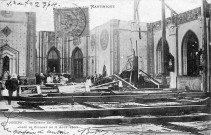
point(12, 85)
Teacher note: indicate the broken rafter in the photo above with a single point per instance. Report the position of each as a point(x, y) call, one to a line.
point(124, 81)
point(172, 10)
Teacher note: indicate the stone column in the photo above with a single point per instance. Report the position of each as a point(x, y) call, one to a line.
point(172, 49)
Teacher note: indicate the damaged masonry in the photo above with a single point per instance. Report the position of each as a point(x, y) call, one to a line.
point(120, 77)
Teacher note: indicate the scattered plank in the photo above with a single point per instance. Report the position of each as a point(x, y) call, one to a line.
point(184, 128)
point(124, 81)
point(108, 98)
point(196, 102)
point(144, 119)
point(105, 84)
point(35, 104)
point(128, 112)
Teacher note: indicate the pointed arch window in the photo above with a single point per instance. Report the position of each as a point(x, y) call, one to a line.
point(190, 58)
point(166, 57)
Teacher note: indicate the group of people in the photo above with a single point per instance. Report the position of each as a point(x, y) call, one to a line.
point(41, 78)
point(12, 84)
point(100, 79)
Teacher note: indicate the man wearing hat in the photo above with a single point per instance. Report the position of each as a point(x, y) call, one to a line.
point(12, 85)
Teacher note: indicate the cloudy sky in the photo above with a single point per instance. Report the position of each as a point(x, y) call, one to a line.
point(149, 10)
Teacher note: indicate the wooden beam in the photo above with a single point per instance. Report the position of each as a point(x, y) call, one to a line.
point(112, 98)
point(105, 84)
point(138, 120)
point(163, 25)
point(193, 130)
point(170, 8)
point(204, 45)
point(99, 90)
point(127, 112)
point(124, 81)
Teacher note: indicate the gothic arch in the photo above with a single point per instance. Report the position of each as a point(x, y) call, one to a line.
point(13, 56)
point(190, 47)
point(159, 56)
point(6, 64)
point(53, 60)
point(77, 57)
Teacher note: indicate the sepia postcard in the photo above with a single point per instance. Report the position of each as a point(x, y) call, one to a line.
point(105, 67)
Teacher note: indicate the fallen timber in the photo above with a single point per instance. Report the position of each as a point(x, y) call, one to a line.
point(113, 98)
point(138, 120)
point(192, 130)
point(127, 112)
point(108, 92)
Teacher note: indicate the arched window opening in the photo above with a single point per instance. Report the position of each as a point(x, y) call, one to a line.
point(190, 56)
point(78, 63)
point(6, 64)
point(53, 61)
point(168, 58)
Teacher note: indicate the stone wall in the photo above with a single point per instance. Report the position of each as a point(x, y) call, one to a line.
point(65, 47)
point(193, 83)
point(187, 21)
point(17, 40)
point(121, 42)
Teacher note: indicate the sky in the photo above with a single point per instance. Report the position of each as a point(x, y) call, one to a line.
point(149, 10)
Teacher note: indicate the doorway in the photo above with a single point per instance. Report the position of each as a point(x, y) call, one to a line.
point(78, 63)
point(53, 61)
point(6, 64)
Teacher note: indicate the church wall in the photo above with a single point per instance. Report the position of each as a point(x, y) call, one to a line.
point(130, 39)
point(46, 40)
point(17, 38)
point(115, 55)
point(71, 47)
point(193, 83)
point(103, 46)
point(171, 40)
point(93, 52)
point(59, 42)
point(186, 21)
point(83, 46)
point(115, 46)
point(31, 41)
point(65, 47)
point(17, 41)
point(194, 26)
point(143, 52)
point(127, 45)
point(20, 42)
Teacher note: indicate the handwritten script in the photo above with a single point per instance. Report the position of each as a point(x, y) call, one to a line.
point(8, 116)
point(51, 130)
point(44, 4)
